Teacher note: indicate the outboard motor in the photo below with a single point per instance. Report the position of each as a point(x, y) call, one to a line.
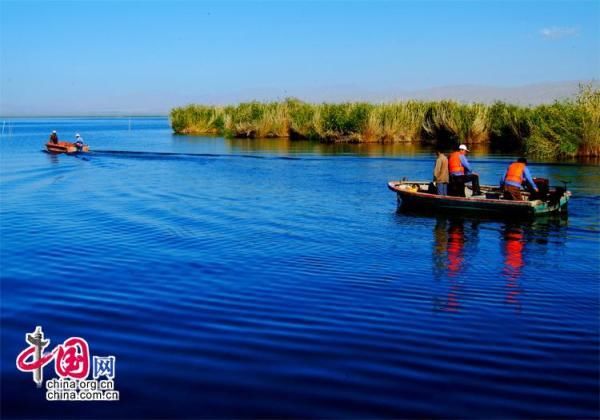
point(556, 195)
point(543, 185)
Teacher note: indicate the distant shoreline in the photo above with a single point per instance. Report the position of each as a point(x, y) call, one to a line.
point(527, 94)
point(563, 129)
point(4, 117)
point(568, 128)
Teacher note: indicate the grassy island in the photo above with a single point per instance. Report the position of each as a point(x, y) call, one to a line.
point(563, 129)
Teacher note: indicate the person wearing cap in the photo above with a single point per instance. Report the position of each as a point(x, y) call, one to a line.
point(516, 174)
point(78, 142)
point(440, 173)
point(461, 171)
point(54, 137)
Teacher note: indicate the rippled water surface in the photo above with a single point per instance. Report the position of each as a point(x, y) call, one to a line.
point(270, 278)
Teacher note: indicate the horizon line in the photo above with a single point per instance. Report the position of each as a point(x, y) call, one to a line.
point(594, 82)
point(87, 116)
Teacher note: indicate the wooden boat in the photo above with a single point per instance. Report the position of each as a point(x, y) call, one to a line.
point(417, 195)
point(65, 147)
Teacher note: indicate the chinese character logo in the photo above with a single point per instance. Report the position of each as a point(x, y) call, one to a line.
point(72, 366)
point(71, 358)
point(104, 366)
point(38, 344)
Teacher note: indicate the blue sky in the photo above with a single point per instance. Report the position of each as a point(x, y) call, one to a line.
point(85, 57)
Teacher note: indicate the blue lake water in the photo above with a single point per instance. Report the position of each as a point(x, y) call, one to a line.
point(269, 278)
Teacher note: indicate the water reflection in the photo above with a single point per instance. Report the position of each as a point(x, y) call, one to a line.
point(512, 247)
point(456, 245)
point(52, 157)
point(450, 242)
point(286, 146)
point(455, 255)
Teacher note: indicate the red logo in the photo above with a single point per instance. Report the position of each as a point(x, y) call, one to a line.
point(71, 358)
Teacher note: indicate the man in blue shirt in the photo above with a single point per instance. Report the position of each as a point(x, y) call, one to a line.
point(78, 142)
point(461, 171)
point(513, 178)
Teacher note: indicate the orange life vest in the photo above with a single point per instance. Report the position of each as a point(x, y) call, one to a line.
point(454, 163)
point(515, 172)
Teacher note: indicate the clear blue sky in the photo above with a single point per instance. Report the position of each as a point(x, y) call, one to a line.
point(146, 56)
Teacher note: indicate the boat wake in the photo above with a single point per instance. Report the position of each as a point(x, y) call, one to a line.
point(177, 156)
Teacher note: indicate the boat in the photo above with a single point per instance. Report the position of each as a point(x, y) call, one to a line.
point(65, 147)
point(420, 196)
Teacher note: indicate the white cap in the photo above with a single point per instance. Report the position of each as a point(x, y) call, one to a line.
point(463, 147)
point(54, 131)
point(77, 135)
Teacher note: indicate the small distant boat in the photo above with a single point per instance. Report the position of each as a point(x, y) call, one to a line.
point(65, 147)
point(417, 195)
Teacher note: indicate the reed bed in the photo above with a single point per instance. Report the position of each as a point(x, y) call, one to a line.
point(195, 119)
point(563, 129)
point(589, 102)
point(467, 123)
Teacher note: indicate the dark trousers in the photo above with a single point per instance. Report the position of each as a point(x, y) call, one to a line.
point(512, 193)
point(458, 184)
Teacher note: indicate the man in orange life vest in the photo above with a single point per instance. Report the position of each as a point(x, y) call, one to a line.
point(513, 178)
point(461, 172)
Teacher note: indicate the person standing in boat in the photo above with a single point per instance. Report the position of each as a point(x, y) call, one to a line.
point(54, 137)
point(461, 171)
point(78, 142)
point(440, 173)
point(516, 174)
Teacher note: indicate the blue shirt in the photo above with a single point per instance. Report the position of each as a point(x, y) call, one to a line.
point(526, 176)
point(465, 163)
